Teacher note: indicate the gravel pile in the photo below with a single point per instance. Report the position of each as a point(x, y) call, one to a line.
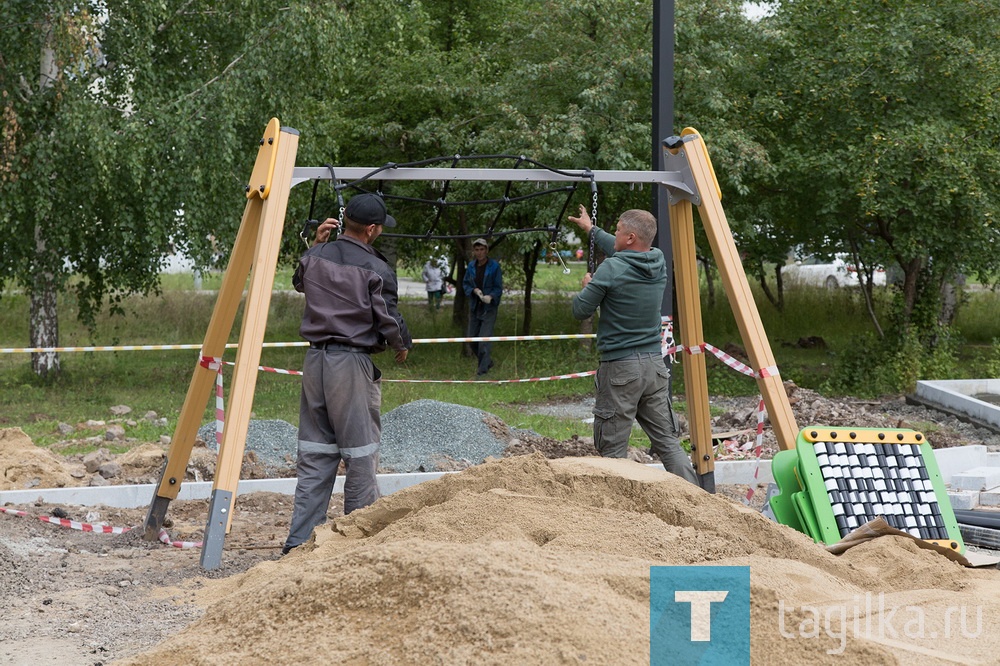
point(430, 436)
point(810, 408)
point(275, 443)
point(421, 436)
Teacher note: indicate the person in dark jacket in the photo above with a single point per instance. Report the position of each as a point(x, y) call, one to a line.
point(483, 284)
point(632, 379)
point(350, 313)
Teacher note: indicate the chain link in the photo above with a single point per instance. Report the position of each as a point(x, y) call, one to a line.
point(591, 257)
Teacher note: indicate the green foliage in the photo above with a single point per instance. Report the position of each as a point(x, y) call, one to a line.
point(890, 365)
point(880, 122)
point(977, 320)
point(992, 365)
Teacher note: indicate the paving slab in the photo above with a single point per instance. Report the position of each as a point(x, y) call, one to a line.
point(977, 478)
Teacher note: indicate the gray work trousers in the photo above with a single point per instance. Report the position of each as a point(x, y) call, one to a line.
point(338, 420)
point(636, 388)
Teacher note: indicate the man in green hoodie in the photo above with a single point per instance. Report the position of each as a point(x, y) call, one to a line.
point(632, 379)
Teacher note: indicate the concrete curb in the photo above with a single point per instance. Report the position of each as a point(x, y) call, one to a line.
point(129, 497)
point(956, 395)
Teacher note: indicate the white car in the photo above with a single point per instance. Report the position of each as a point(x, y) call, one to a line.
point(832, 274)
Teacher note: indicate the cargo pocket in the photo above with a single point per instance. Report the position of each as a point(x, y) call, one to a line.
point(663, 371)
point(604, 431)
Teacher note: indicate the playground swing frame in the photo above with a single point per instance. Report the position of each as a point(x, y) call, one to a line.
point(689, 180)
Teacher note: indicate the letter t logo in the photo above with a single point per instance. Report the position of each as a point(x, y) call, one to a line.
point(701, 610)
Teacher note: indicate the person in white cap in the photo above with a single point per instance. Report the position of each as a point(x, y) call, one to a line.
point(350, 313)
point(483, 284)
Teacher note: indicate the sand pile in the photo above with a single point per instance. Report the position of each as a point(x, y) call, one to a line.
point(23, 465)
point(535, 561)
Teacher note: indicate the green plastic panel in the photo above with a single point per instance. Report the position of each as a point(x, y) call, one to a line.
point(873, 472)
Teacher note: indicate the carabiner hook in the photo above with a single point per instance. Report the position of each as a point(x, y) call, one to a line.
point(552, 247)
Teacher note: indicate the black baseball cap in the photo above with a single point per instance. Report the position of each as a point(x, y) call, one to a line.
point(368, 209)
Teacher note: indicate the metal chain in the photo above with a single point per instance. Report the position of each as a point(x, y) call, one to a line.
point(334, 183)
point(591, 259)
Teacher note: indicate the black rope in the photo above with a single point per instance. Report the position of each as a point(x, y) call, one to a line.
point(562, 216)
point(442, 200)
point(496, 234)
point(506, 200)
point(441, 203)
point(475, 202)
point(311, 221)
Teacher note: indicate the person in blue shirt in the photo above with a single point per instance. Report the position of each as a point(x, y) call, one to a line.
point(483, 285)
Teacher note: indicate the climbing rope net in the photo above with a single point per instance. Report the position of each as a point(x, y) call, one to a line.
point(374, 181)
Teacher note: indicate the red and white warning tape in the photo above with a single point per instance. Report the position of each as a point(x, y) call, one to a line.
point(98, 528)
point(735, 364)
point(165, 538)
point(215, 363)
point(758, 449)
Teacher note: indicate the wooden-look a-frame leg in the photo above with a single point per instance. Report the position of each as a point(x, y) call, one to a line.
point(689, 156)
point(255, 254)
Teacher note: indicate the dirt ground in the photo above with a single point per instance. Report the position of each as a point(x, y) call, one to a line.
point(73, 597)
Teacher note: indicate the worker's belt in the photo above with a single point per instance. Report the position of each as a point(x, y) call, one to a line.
point(336, 346)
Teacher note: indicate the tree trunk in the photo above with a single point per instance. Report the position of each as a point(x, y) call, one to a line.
point(779, 283)
point(911, 271)
point(766, 288)
point(460, 315)
point(952, 296)
point(43, 319)
point(709, 280)
point(530, 266)
point(43, 322)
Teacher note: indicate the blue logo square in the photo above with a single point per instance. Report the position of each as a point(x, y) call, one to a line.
point(699, 615)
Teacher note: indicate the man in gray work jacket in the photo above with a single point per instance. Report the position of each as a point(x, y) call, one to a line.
point(632, 379)
point(350, 314)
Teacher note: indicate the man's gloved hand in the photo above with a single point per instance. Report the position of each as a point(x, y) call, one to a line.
point(478, 293)
point(486, 299)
